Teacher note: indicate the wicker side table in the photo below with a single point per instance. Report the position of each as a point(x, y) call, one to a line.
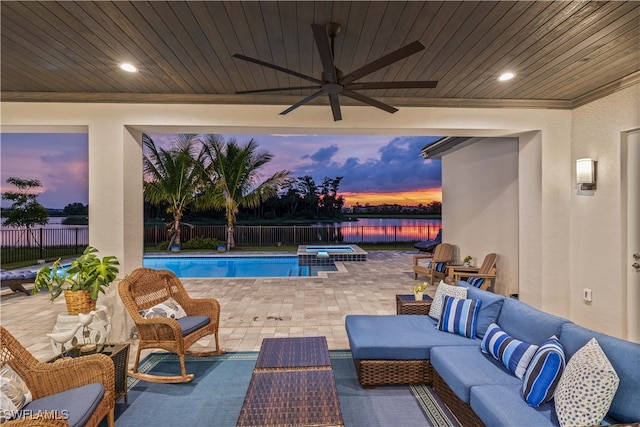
point(407, 304)
point(119, 353)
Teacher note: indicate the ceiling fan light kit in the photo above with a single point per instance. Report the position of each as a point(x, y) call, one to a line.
point(332, 81)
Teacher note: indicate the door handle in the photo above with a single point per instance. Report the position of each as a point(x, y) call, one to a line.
point(635, 265)
point(636, 256)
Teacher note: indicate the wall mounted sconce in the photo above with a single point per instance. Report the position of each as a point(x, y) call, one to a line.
point(586, 174)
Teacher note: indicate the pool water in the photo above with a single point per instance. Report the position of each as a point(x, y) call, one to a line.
point(330, 249)
point(229, 266)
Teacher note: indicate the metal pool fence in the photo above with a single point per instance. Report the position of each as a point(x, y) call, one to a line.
point(46, 243)
point(20, 245)
point(293, 235)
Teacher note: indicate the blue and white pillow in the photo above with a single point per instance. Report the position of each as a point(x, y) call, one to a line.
point(441, 267)
point(475, 281)
point(169, 308)
point(514, 354)
point(459, 316)
point(544, 372)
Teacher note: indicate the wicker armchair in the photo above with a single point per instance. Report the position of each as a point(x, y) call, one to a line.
point(480, 277)
point(436, 267)
point(46, 379)
point(143, 289)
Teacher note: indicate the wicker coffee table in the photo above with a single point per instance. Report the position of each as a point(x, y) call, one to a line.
point(407, 304)
point(292, 385)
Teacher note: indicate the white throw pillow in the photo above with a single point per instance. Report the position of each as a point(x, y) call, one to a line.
point(169, 308)
point(444, 289)
point(14, 393)
point(586, 388)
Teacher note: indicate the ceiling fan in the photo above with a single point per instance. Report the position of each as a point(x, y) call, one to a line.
point(333, 83)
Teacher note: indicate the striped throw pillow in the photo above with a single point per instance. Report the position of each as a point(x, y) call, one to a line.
point(443, 289)
point(475, 281)
point(514, 354)
point(441, 267)
point(459, 316)
point(543, 373)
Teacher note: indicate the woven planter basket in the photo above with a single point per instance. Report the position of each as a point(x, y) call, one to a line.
point(79, 302)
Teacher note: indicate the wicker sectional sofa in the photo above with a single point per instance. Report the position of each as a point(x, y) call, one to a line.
point(406, 349)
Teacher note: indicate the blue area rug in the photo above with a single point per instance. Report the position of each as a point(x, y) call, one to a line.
point(215, 396)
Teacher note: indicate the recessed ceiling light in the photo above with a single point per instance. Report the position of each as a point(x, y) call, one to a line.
point(506, 76)
point(128, 67)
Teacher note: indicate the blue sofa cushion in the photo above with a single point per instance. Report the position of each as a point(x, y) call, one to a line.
point(503, 405)
point(75, 405)
point(465, 367)
point(528, 324)
point(459, 316)
point(543, 373)
point(490, 309)
point(189, 324)
point(513, 353)
point(397, 337)
point(625, 359)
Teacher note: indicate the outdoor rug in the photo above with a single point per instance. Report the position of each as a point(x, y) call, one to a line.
point(216, 394)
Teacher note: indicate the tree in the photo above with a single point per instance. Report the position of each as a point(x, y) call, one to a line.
point(234, 172)
point(25, 211)
point(174, 177)
point(76, 209)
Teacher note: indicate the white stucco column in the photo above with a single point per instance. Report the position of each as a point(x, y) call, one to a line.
point(115, 208)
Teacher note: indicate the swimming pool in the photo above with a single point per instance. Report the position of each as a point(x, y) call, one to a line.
point(232, 266)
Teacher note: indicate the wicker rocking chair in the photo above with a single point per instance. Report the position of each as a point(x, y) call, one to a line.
point(48, 379)
point(143, 289)
point(436, 267)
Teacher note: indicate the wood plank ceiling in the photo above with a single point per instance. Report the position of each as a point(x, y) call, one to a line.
point(565, 53)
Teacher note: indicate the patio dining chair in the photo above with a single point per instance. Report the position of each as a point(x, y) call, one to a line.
point(480, 277)
point(166, 317)
point(436, 266)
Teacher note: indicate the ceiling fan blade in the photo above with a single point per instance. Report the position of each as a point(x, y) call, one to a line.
point(388, 59)
point(276, 89)
point(392, 85)
point(335, 107)
point(277, 67)
point(324, 49)
point(370, 101)
point(302, 102)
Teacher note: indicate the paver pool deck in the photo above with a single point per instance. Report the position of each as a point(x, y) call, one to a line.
point(257, 308)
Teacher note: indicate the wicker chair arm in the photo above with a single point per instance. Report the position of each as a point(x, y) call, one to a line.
point(158, 328)
point(46, 379)
point(42, 419)
point(202, 307)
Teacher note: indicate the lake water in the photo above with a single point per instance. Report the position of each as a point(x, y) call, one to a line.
point(363, 231)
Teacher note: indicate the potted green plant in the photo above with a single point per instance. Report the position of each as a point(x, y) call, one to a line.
point(418, 290)
point(467, 261)
point(81, 282)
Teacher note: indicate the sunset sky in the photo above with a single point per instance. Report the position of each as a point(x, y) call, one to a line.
point(376, 169)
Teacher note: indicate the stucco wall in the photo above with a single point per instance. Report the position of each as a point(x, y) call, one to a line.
point(480, 205)
point(597, 241)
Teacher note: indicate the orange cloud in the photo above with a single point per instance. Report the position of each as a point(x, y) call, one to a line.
point(405, 198)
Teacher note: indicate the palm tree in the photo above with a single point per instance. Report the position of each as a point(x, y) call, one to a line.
point(174, 176)
point(234, 170)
